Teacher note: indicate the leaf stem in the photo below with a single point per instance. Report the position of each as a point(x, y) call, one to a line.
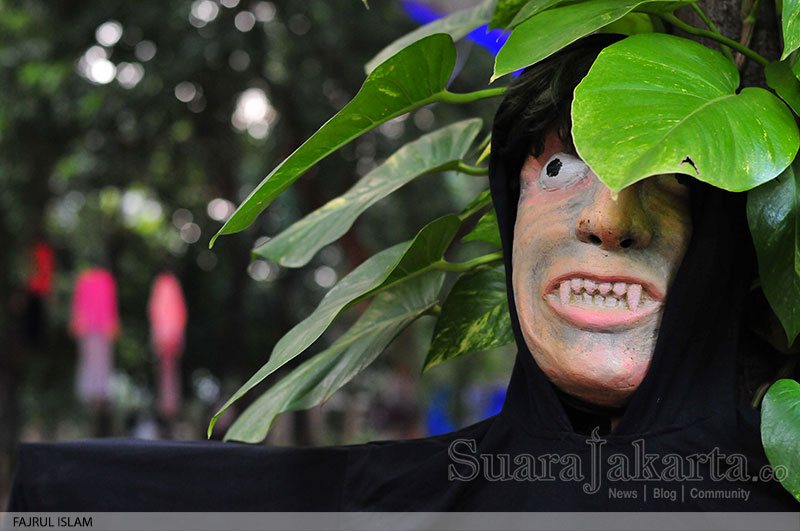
point(469, 97)
point(462, 167)
point(749, 17)
point(469, 265)
point(678, 23)
point(708, 22)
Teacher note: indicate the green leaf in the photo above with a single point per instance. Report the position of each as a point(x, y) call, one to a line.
point(548, 31)
point(478, 202)
point(486, 230)
point(295, 246)
point(317, 379)
point(790, 23)
point(505, 12)
point(414, 77)
point(631, 24)
point(531, 8)
point(782, 80)
point(474, 317)
point(780, 432)
point(382, 270)
point(656, 103)
point(773, 212)
point(457, 25)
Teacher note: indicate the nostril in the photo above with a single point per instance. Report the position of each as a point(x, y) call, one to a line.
point(594, 239)
point(626, 243)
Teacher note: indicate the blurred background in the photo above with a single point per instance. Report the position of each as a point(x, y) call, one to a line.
point(129, 131)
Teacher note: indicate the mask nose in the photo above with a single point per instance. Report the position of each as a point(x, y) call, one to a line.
point(614, 225)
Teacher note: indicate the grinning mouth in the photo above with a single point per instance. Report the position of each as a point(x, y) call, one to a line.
point(589, 292)
point(591, 300)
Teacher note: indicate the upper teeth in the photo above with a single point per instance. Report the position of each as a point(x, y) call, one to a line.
point(609, 294)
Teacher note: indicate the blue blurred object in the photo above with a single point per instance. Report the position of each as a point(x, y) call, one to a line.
point(491, 40)
point(437, 418)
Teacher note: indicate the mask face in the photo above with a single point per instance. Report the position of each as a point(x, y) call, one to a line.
point(591, 274)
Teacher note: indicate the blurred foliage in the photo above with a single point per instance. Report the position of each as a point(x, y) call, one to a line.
point(129, 130)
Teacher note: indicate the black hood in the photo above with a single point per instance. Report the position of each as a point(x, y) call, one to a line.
point(692, 373)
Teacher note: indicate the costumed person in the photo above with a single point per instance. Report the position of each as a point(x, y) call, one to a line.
point(38, 287)
point(627, 318)
point(95, 325)
point(167, 313)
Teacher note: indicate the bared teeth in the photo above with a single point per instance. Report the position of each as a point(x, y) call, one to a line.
point(634, 296)
point(590, 286)
point(564, 291)
point(605, 294)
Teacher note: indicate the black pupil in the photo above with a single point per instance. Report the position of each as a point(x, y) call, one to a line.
point(554, 167)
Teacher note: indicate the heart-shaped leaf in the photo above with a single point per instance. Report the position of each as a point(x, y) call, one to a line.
point(295, 246)
point(317, 379)
point(780, 432)
point(782, 80)
point(530, 9)
point(656, 103)
point(382, 270)
point(548, 31)
point(474, 317)
point(773, 212)
point(486, 230)
point(412, 78)
point(790, 23)
point(457, 25)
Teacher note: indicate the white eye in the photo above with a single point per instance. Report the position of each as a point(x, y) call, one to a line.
point(562, 171)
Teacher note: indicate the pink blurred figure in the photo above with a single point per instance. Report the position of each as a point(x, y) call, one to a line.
point(95, 323)
point(167, 311)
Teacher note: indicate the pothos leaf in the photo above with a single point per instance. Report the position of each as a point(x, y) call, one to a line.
point(486, 230)
point(790, 23)
point(780, 432)
point(295, 246)
point(782, 80)
point(681, 115)
point(317, 379)
point(474, 317)
point(548, 31)
point(457, 25)
point(773, 212)
point(384, 269)
point(412, 78)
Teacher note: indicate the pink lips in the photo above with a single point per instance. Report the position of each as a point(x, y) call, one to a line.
point(602, 302)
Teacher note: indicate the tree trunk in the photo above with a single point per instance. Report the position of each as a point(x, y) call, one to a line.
point(727, 15)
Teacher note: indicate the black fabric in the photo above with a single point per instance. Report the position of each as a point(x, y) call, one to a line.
point(540, 453)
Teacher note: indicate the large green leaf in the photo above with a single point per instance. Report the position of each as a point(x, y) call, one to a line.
point(656, 103)
point(780, 432)
point(317, 379)
point(457, 25)
point(295, 246)
point(548, 31)
point(474, 317)
point(790, 19)
point(413, 77)
point(782, 80)
point(773, 212)
point(486, 230)
point(505, 12)
point(531, 8)
point(386, 268)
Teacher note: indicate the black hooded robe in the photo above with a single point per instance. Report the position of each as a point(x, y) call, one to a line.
point(682, 444)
